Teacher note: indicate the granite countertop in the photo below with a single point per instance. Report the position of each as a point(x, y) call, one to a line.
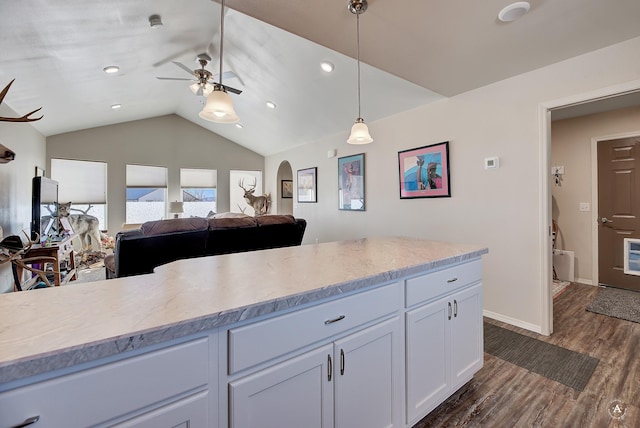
point(48, 329)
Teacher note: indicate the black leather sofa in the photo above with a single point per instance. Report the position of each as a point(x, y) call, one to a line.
point(139, 251)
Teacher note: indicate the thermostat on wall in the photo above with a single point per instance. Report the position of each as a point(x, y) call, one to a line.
point(490, 163)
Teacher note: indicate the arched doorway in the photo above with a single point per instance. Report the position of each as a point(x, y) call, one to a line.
point(285, 204)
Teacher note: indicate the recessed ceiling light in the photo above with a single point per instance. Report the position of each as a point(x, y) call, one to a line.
point(327, 66)
point(514, 11)
point(110, 69)
point(271, 104)
point(116, 106)
point(239, 125)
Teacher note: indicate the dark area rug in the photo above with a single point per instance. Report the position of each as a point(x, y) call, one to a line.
point(617, 303)
point(570, 368)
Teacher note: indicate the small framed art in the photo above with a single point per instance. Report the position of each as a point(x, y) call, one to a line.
point(307, 184)
point(286, 189)
point(351, 183)
point(424, 172)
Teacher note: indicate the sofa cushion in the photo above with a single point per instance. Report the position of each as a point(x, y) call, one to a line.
point(160, 227)
point(231, 223)
point(275, 219)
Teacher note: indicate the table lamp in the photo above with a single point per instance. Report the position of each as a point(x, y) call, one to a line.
point(176, 208)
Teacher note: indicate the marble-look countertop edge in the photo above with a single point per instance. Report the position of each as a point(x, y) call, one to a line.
point(16, 370)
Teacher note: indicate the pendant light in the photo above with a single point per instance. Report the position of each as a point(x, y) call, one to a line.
point(219, 107)
point(359, 131)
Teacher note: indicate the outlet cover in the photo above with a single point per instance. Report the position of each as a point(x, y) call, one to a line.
point(585, 206)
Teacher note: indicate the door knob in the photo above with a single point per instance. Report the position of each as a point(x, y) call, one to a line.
point(605, 220)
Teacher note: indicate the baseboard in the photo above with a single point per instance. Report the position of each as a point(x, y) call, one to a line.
point(584, 281)
point(515, 322)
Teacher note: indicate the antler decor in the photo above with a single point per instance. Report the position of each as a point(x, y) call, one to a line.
point(24, 118)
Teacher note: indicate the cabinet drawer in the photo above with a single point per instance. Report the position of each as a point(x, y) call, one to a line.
point(426, 287)
point(254, 343)
point(99, 394)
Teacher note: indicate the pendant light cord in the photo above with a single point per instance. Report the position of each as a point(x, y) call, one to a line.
point(358, 54)
point(221, 38)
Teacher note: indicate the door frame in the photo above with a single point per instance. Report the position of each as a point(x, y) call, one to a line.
point(595, 275)
point(544, 119)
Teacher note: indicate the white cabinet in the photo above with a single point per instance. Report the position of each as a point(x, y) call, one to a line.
point(444, 345)
point(352, 381)
point(367, 374)
point(112, 392)
point(295, 393)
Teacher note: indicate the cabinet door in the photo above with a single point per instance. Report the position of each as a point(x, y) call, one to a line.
point(296, 393)
point(190, 412)
point(428, 357)
point(467, 336)
point(367, 373)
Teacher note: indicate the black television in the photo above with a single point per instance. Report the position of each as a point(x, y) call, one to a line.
point(44, 204)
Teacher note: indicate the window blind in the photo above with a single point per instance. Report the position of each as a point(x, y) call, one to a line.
point(80, 182)
point(146, 176)
point(198, 178)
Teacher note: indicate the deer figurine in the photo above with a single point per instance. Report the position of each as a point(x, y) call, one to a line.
point(260, 204)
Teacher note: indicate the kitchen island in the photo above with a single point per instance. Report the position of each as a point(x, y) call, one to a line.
point(207, 336)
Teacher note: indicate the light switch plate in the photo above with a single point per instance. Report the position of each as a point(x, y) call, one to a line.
point(585, 206)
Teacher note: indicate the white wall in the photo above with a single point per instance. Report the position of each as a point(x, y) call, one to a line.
point(571, 148)
point(168, 141)
point(497, 208)
point(15, 180)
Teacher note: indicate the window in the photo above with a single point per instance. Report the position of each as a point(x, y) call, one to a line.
point(84, 184)
point(146, 193)
point(199, 191)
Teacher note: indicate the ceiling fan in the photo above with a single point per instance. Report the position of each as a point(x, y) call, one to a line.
point(204, 80)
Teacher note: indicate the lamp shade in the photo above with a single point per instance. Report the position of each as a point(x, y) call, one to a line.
point(359, 133)
point(201, 89)
point(176, 207)
point(219, 108)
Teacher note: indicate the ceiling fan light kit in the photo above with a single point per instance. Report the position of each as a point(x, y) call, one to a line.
point(359, 131)
point(219, 107)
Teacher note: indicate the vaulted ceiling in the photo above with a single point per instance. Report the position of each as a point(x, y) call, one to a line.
point(414, 52)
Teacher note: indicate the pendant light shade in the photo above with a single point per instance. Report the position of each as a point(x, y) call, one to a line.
point(219, 107)
point(359, 131)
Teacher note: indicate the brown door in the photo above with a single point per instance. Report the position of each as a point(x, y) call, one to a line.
point(619, 208)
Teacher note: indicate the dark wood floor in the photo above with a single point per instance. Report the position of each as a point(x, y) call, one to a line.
point(504, 395)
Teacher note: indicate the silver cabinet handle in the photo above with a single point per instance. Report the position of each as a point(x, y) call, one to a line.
point(32, 420)
point(449, 304)
point(342, 362)
point(329, 367)
point(455, 308)
point(331, 321)
point(454, 279)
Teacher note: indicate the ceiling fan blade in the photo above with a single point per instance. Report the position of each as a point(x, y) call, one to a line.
point(226, 75)
point(174, 78)
point(234, 90)
point(182, 66)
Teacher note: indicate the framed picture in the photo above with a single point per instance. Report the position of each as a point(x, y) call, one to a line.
point(351, 183)
point(307, 185)
point(424, 172)
point(286, 189)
